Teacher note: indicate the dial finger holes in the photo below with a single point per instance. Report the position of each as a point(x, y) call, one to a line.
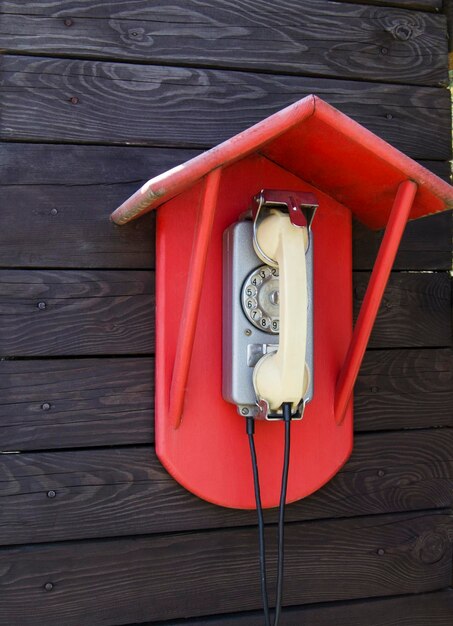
point(260, 298)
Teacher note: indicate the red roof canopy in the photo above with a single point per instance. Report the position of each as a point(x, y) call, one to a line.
point(323, 147)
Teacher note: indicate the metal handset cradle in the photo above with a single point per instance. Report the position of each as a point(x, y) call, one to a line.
point(268, 306)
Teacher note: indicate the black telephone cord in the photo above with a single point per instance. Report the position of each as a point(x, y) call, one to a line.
point(259, 511)
point(281, 511)
point(281, 516)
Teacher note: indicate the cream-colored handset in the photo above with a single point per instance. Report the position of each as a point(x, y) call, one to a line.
point(282, 376)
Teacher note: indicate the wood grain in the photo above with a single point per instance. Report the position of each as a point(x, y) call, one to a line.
point(435, 609)
point(426, 244)
point(404, 389)
point(99, 9)
point(125, 491)
point(68, 312)
point(73, 403)
point(70, 403)
point(425, 5)
point(76, 312)
point(308, 37)
point(65, 194)
point(58, 100)
point(190, 574)
point(415, 310)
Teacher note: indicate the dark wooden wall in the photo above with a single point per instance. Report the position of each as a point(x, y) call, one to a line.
point(98, 96)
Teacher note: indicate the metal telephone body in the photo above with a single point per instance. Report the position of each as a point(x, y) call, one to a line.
point(250, 316)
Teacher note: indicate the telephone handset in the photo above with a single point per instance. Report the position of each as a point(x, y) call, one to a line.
point(268, 306)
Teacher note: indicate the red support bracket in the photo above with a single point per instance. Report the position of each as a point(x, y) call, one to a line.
point(188, 325)
point(395, 227)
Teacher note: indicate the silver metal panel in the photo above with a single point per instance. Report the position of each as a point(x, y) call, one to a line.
point(243, 343)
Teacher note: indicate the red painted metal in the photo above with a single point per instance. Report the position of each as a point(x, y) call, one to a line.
point(192, 297)
point(321, 145)
point(208, 454)
point(373, 296)
point(308, 147)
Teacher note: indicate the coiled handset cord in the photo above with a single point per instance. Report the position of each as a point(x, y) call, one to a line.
point(281, 515)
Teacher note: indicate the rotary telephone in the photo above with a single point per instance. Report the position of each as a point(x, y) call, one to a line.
point(268, 306)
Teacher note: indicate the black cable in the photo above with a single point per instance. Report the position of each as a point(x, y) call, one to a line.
point(259, 511)
point(281, 516)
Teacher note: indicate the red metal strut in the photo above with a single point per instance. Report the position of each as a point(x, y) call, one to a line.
point(373, 296)
point(192, 297)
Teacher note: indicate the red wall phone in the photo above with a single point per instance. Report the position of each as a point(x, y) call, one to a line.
point(308, 148)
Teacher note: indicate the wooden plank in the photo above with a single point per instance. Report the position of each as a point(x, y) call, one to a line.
point(191, 574)
point(404, 389)
point(65, 194)
point(98, 9)
point(72, 403)
point(68, 312)
point(327, 39)
point(434, 609)
point(73, 165)
point(55, 496)
point(423, 5)
point(415, 310)
point(76, 312)
point(448, 11)
point(58, 100)
point(426, 244)
point(70, 227)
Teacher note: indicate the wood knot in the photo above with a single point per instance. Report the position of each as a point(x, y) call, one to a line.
point(431, 547)
point(132, 34)
point(405, 28)
point(137, 34)
point(403, 32)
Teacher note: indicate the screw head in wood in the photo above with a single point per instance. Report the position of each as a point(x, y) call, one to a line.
point(45, 406)
point(381, 473)
point(138, 34)
point(51, 494)
point(53, 211)
point(384, 50)
point(41, 306)
point(68, 22)
point(74, 100)
point(381, 551)
point(48, 586)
